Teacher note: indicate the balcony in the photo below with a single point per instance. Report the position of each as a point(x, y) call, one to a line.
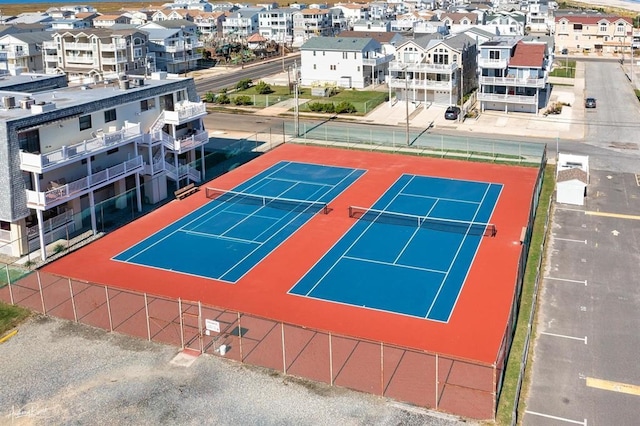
point(492, 63)
point(175, 48)
point(51, 58)
point(514, 82)
point(184, 143)
point(113, 61)
point(41, 163)
point(423, 67)
point(183, 58)
point(51, 45)
point(13, 54)
point(509, 99)
point(185, 112)
point(399, 83)
point(113, 46)
point(78, 46)
point(81, 59)
point(375, 61)
point(63, 193)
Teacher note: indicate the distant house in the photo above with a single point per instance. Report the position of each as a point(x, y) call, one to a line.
point(593, 33)
point(106, 21)
point(173, 45)
point(342, 62)
point(22, 51)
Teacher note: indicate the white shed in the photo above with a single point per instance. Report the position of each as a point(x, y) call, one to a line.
point(571, 186)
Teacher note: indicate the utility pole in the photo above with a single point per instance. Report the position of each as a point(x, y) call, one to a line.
point(297, 100)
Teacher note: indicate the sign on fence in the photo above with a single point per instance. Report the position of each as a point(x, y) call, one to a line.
point(212, 325)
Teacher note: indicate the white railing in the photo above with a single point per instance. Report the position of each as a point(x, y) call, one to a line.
point(422, 67)
point(51, 58)
point(12, 54)
point(492, 63)
point(41, 162)
point(156, 166)
point(44, 200)
point(189, 142)
point(383, 59)
point(56, 228)
point(514, 81)
point(78, 46)
point(84, 59)
point(112, 61)
point(174, 48)
point(158, 124)
point(400, 83)
point(50, 224)
point(185, 111)
point(113, 46)
point(50, 45)
point(184, 58)
point(514, 99)
point(181, 172)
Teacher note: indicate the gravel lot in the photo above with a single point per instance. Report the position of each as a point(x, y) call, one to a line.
point(59, 372)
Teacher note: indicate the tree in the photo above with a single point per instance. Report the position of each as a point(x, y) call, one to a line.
point(263, 88)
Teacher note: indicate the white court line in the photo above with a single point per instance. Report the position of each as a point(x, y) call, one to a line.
point(566, 280)
point(557, 418)
point(399, 265)
point(584, 339)
point(570, 240)
point(219, 237)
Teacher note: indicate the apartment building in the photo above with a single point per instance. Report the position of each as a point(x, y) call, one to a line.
point(22, 51)
point(432, 69)
point(311, 22)
point(95, 54)
point(277, 24)
point(242, 22)
point(348, 62)
point(72, 149)
point(513, 75)
point(593, 33)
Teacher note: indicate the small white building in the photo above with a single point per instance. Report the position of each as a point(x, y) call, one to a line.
point(572, 177)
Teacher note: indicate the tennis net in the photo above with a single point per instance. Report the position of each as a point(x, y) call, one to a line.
point(302, 206)
point(444, 225)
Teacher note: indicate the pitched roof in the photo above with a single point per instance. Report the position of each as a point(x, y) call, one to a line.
point(342, 44)
point(457, 17)
point(256, 38)
point(591, 19)
point(33, 37)
point(572, 174)
point(528, 55)
point(382, 37)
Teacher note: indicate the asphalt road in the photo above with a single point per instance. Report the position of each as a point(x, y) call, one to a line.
point(216, 83)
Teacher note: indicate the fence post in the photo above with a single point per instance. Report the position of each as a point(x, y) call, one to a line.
point(240, 335)
point(200, 326)
point(284, 357)
point(73, 302)
point(146, 312)
point(10, 289)
point(381, 369)
point(437, 383)
point(181, 324)
point(44, 309)
point(106, 291)
point(330, 361)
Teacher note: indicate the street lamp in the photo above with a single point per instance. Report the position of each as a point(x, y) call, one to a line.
point(406, 101)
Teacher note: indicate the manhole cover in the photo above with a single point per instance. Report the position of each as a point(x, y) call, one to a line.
point(623, 145)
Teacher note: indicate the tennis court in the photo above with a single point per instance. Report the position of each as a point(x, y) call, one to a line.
point(411, 252)
point(232, 233)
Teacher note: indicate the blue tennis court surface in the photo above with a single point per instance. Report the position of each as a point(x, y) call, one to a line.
point(229, 235)
point(394, 265)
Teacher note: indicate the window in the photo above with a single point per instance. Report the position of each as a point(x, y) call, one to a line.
point(344, 55)
point(332, 67)
point(314, 66)
point(109, 115)
point(358, 68)
point(620, 28)
point(85, 122)
point(577, 27)
point(147, 104)
point(29, 141)
point(603, 27)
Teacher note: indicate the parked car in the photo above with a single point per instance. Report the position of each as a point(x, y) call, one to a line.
point(590, 103)
point(565, 51)
point(452, 113)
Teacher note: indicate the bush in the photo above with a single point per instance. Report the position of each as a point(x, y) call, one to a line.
point(243, 100)
point(263, 88)
point(321, 107)
point(209, 97)
point(345, 108)
point(244, 84)
point(223, 99)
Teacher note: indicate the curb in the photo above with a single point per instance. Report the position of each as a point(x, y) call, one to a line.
point(8, 336)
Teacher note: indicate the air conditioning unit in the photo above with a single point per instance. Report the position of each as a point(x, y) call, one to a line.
point(26, 103)
point(8, 102)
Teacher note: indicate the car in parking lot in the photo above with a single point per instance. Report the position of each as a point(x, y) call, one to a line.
point(590, 103)
point(452, 113)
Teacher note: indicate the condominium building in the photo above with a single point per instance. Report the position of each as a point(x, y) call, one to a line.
point(513, 75)
point(96, 54)
point(593, 33)
point(432, 69)
point(277, 24)
point(173, 44)
point(72, 149)
point(22, 51)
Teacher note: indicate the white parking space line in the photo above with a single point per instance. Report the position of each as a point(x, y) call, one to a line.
point(584, 422)
point(566, 280)
point(567, 209)
point(570, 240)
point(584, 339)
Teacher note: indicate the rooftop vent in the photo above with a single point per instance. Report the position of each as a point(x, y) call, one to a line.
point(8, 102)
point(26, 103)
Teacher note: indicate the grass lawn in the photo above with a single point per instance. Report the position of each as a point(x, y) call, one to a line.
point(10, 316)
point(505, 405)
point(564, 69)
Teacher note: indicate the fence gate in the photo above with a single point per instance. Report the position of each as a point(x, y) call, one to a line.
point(191, 320)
